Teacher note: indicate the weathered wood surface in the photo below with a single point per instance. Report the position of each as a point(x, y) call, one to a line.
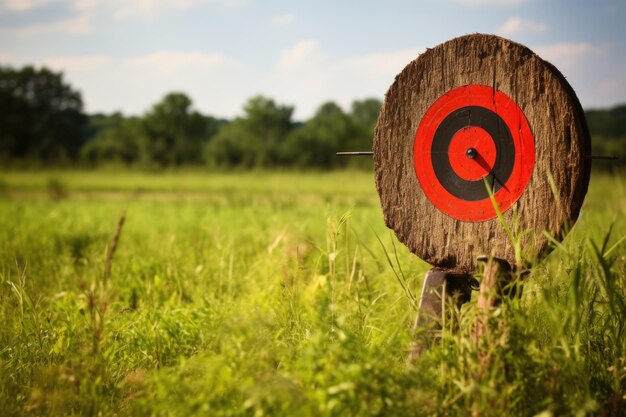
point(561, 143)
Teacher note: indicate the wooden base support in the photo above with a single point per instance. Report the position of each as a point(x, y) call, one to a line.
point(497, 283)
point(443, 289)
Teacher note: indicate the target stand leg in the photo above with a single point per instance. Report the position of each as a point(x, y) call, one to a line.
point(497, 275)
point(497, 283)
point(442, 290)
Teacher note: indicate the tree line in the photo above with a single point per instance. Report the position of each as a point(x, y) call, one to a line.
point(42, 121)
point(608, 133)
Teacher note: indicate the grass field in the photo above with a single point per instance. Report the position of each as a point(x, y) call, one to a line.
point(270, 294)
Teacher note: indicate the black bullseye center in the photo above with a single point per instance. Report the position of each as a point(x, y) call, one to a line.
point(471, 153)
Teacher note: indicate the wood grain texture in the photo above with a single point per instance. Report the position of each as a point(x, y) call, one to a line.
point(561, 137)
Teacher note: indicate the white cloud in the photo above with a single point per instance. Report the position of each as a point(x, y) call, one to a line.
point(217, 84)
point(306, 51)
point(284, 19)
point(85, 4)
point(169, 62)
point(517, 25)
point(383, 63)
point(25, 5)
point(307, 71)
point(4, 57)
point(83, 63)
point(307, 54)
point(231, 3)
point(565, 55)
point(160, 63)
point(493, 2)
point(150, 8)
point(77, 25)
point(127, 9)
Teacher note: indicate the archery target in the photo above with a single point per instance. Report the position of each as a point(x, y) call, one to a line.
point(476, 115)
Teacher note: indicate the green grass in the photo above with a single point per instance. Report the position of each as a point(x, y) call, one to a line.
point(268, 294)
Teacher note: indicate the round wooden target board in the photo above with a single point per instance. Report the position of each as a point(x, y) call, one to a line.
point(474, 113)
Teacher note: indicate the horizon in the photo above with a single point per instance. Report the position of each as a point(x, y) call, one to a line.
point(126, 56)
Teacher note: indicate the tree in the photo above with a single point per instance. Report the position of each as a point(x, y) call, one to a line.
point(365, 114)
point(175, 133)
point(254, 140)
point(41, 115)
point(234, 146)
point(316, 142)
point(270, 123)
point(608, 134)
point(116, 139)
point(608, 123)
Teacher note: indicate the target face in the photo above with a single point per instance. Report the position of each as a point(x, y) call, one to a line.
point(472, 116)
point(470, 139)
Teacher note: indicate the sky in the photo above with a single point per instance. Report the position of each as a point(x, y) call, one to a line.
point(125, 55)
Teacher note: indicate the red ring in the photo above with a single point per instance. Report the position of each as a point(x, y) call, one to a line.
point(524, 160)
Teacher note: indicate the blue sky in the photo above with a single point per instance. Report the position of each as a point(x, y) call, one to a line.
point(125, 55)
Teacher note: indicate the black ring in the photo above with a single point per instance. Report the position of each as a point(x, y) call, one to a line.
point(505, 152)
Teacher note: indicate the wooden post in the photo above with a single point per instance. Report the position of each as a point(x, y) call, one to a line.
point(496, 284)
point(442, 288)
